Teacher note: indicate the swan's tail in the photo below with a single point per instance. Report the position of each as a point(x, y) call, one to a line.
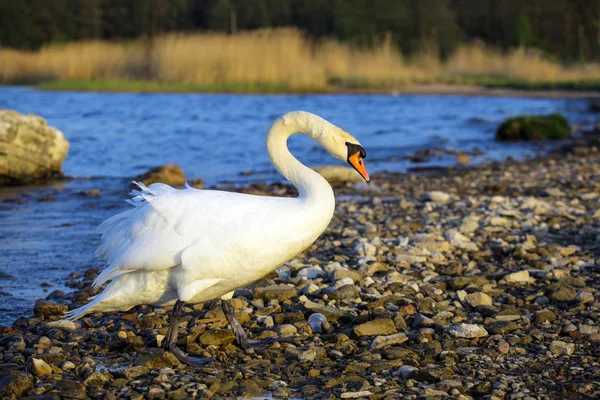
point(127, 291)
point(95, 305)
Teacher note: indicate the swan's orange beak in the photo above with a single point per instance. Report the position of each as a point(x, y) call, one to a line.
point(358, 163)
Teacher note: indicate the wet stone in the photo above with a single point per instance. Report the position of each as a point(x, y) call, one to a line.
point(45, 308)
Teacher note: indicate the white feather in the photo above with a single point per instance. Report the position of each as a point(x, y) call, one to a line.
point(195, 245)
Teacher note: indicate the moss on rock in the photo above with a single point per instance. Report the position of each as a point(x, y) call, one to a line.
point(534, 127)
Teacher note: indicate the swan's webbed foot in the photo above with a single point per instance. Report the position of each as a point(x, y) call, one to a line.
point(170, 341)
point(242, 337)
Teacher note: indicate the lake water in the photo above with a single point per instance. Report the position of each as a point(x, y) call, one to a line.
point(214, 137)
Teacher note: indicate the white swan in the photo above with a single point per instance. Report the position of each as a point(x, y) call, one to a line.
point(191, 246)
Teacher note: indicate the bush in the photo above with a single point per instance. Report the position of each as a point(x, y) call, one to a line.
point(534, 127)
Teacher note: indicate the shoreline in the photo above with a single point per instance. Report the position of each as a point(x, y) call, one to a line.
point(433, 89)
point(424, 280)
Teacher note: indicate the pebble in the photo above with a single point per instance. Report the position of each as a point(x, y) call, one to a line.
point(438, 197)
point(40, 367)
point(400, 298)
point(584, 298)
point(287, 330)
point(517, 277)
point(406, 371)
point(311, 272)
point(478, 299)
point(383, 341)
point(560, 348)
point(356, 395)
point(62, 324)
point(504, 347)
point(375, 327)
point(459, 240)
point(466, 331)
point(316, 322)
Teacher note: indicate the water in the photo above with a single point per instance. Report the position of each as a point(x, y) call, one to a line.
point(215, 137)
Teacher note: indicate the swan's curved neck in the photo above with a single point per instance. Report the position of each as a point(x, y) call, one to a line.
point(310, 184)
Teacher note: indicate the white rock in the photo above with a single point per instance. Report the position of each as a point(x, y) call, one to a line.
point(344, 281)
point(459, 240)
point(62, 324)
point(466, 331)
point(469, 225)
point(588, 329)
point(517, 277)
point(438, 197)
point(339, 174)
point(356, 395)
point(560, 348)
point(383, 341)
point(307, 355)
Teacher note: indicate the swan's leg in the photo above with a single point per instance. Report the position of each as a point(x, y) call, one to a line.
point(170, 341)
point(240, 334)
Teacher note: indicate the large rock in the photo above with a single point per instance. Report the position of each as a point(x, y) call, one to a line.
point(30, 150)
point(170, 174)
point(534, 127)
point(339, 174)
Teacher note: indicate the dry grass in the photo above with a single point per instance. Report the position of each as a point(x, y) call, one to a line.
point(281, 56)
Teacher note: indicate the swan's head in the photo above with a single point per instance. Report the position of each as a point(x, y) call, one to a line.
point(335, 140)
point(344, 146)
point(352, 153)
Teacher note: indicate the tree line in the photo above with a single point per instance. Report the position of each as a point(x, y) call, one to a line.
point(566, 29)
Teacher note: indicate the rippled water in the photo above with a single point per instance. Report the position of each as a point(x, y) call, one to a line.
point(214, 137)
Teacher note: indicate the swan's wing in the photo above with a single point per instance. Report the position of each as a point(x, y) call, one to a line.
point(163, 224)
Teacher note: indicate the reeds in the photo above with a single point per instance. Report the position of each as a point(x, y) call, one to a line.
point(281, 57)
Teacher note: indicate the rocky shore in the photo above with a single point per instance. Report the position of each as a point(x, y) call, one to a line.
point(464, 283)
